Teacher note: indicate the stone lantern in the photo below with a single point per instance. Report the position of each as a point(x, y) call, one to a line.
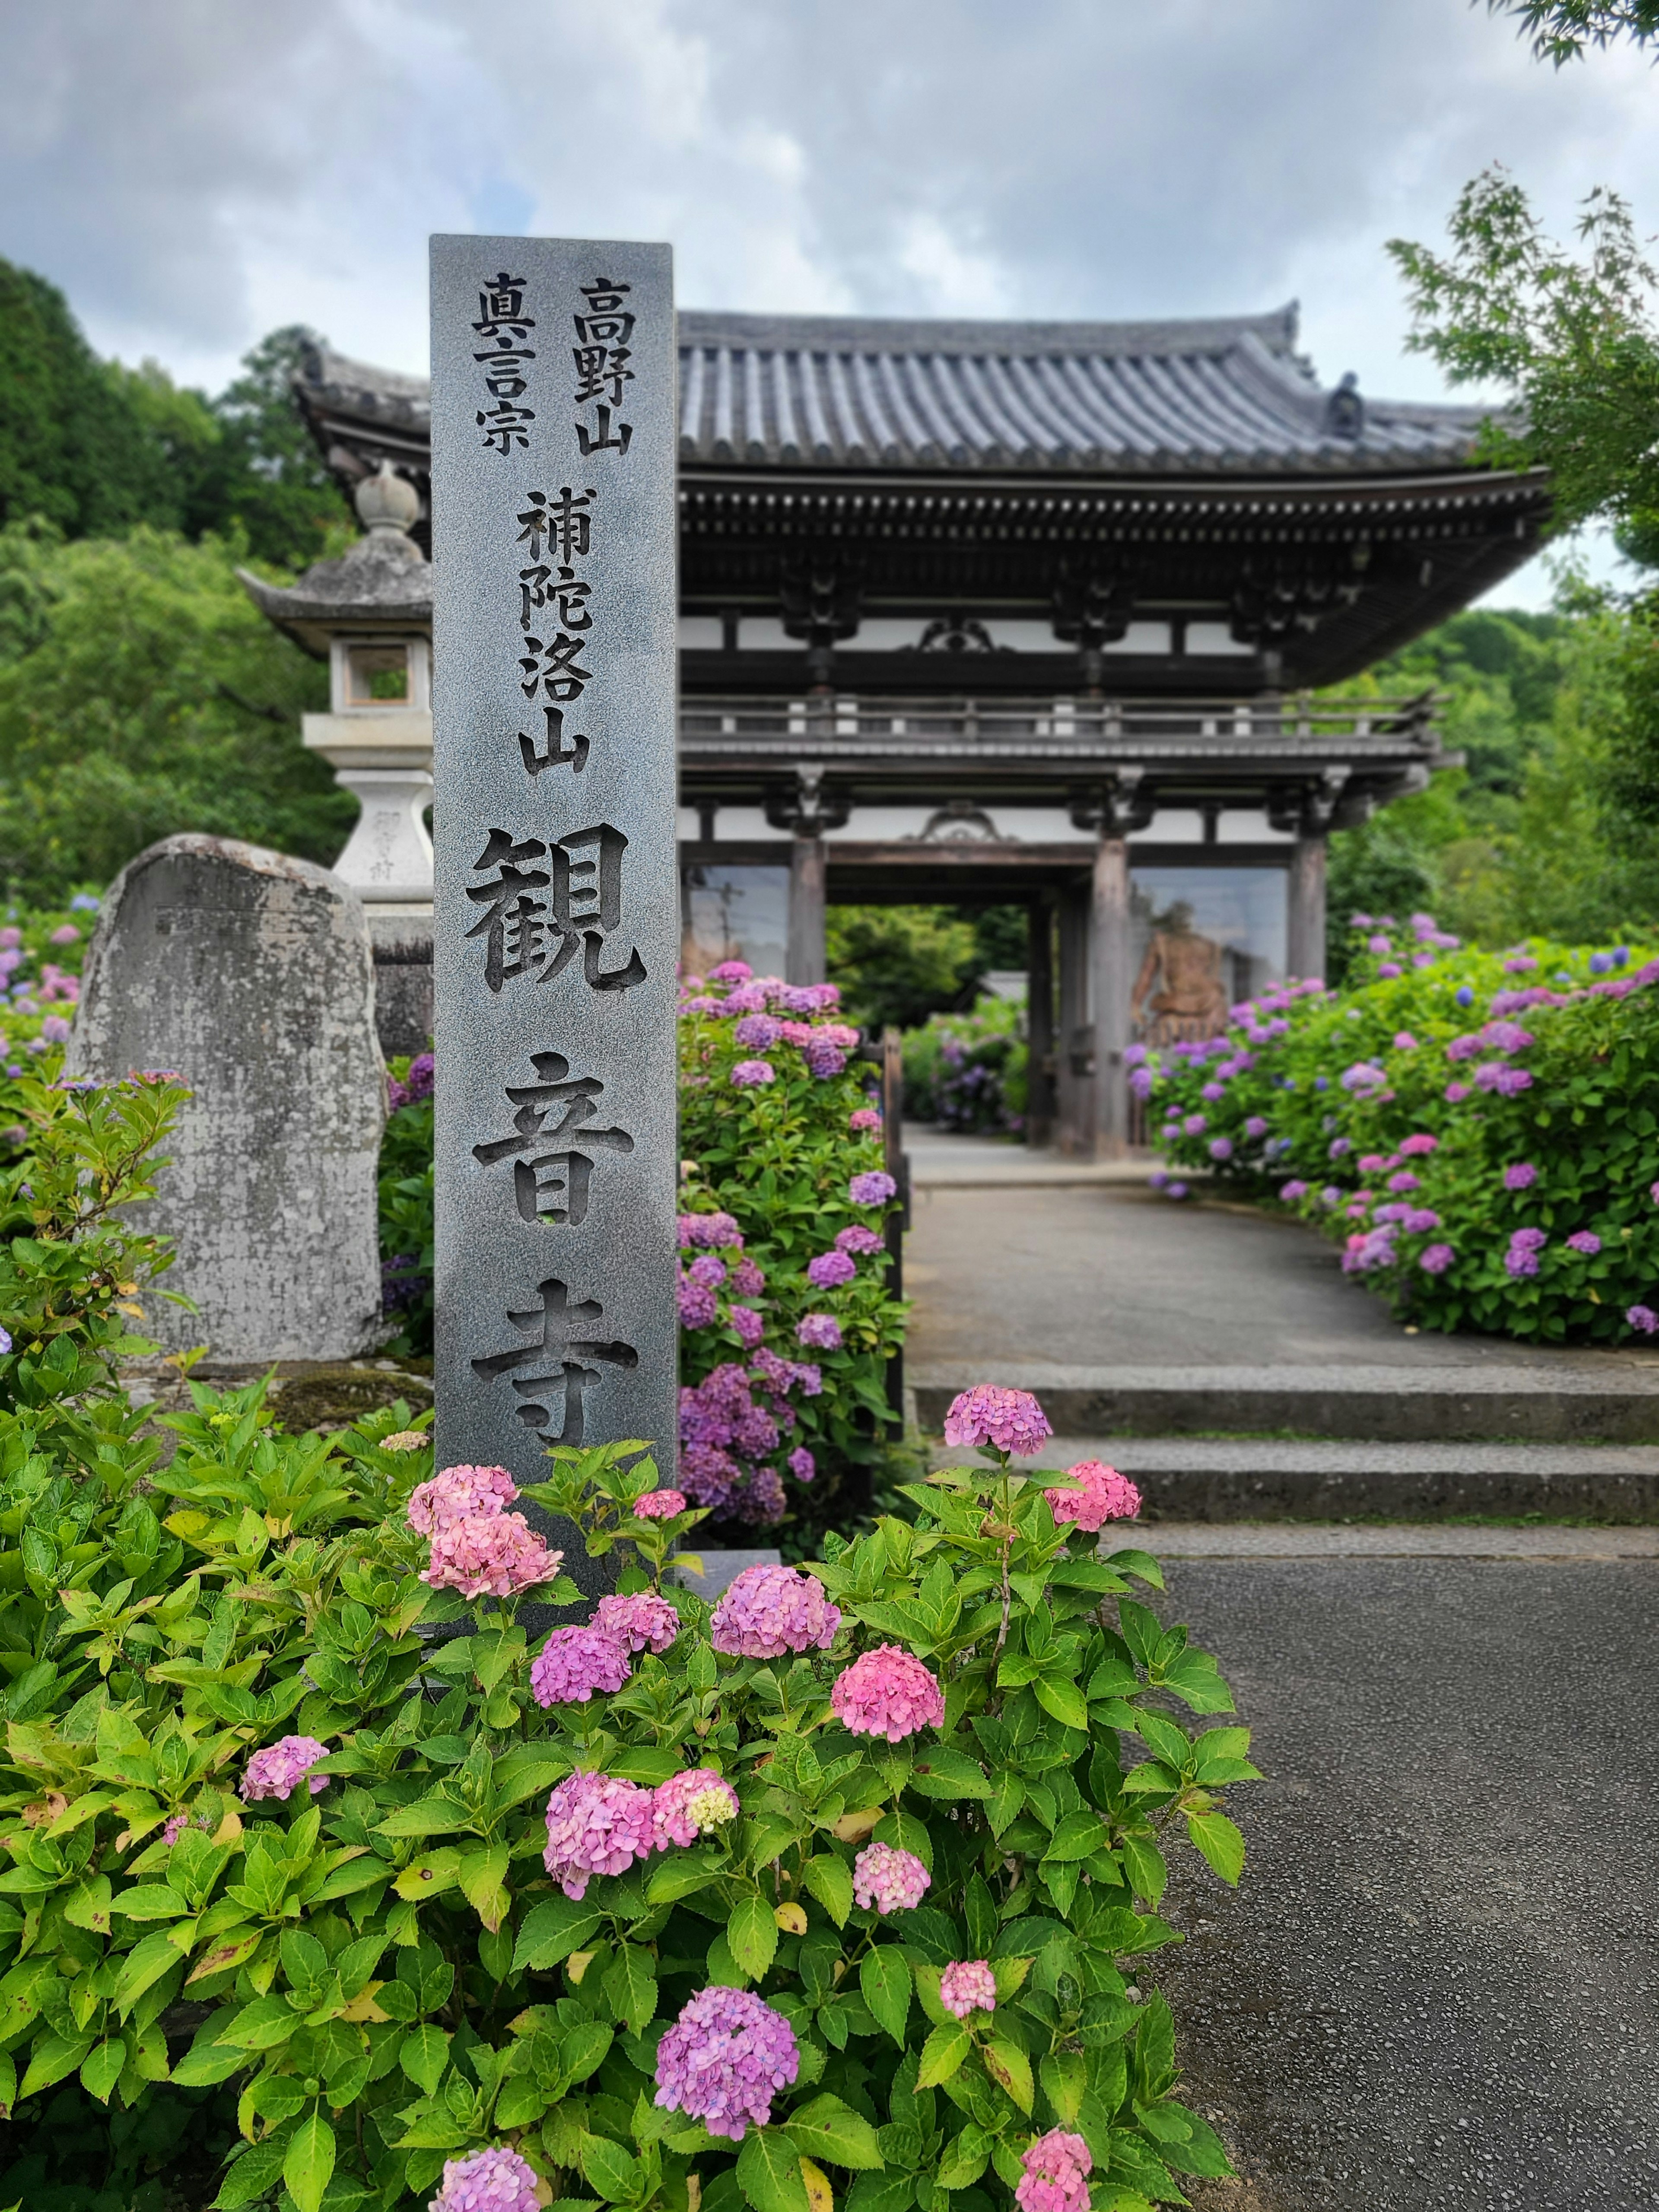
point(369, 615)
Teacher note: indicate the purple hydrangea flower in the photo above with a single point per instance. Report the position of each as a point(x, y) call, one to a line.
point(874, 1188)
point(749, 1074)
point(746, 1278)
point(801, 1464)
point(1585, 1241)
point(1528, 1240)
point(1642, 1317)
point(751, 1326)
point(756, 1032)
point(1520, 1175)
point(819, 1332)
point(1521, 1260)
point(1436, 1258)
point(859, 1239)
point(706, 1230)
point(698, 1306)
point(724, 2060)
point(1221, 1148)
point(1422, 1220)
point(706, 1269)
point(829, 1270)
point(1255, 1126)
point(1195, 1125)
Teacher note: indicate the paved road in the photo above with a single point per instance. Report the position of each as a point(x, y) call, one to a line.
point(1119, 1276)
point(1437, 1985)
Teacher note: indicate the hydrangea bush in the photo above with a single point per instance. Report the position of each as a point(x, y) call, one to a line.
point(969, 1071)
point(849, 1883)
point(1480, 1130)
point(786, 1325)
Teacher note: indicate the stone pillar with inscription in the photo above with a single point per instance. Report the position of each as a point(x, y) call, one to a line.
point(555, 913)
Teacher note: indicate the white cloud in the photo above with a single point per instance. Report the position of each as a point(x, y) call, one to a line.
point(194, 175)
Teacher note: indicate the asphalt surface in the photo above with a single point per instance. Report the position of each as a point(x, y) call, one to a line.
point(1120, 1277)
point(1436, 1985)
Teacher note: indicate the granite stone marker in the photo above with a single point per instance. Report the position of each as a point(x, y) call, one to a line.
point(251, 974)
point(556, 916)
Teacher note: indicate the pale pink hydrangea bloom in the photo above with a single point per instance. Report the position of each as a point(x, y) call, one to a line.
point(724, 2060)
point(493, 2180)
point(685, 1806)
point(1106, 1495)
point(278, 1770)
point(457, 1493)
point(887, 1692)
point(596, 1824)
point(177, 1824)
point(888, 1879)
point(575, 1663)
point(659, 1504)
point(1013, 1420)
point(767, 1611)
point(863, 1118)
point(642, 1622)
point(1054, 2175)
point(493, 1555)
point(967, 1985)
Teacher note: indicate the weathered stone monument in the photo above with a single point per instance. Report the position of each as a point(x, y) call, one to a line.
point(251, 974)
point(556, 916)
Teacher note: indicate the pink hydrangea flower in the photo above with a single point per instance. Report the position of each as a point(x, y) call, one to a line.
point(575, 1662)
point(818, 1332)
point(1420, 1143)
point(493, 2180)
point(865, 1242)
point(1106, 1495)
point(888, 1880)
point(1013, 1420)
point(278, 1770)
point(864, 1118)
point(698, 1306)
point(460, 1493)
point(747, 1280)
point(967, 1985)
point(176, 1826)
point(1054, 2174)
point(642, 1622)
point(659, 1504)
point(874, 1188)
point(1455, 1093)
point(493, 1555)
point(731, 971)
point(687, 1805)
point(766, 1611)
point(596, 1824)
point(887, 1692)
point(708, 1229)
point(724, 2060)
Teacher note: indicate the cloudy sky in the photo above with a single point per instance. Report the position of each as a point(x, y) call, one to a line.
point(195, 172)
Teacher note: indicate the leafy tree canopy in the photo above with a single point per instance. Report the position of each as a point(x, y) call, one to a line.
point(1561, 30)
point(94, 448)
point(140, 693)
point(1572, 336)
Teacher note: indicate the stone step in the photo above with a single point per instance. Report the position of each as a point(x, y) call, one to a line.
point(1598, 1398)
point(1192, 1478)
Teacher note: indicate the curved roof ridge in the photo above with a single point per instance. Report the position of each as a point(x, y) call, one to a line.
point(952, 334)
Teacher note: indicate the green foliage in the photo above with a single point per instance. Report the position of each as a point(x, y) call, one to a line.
point(1573, 339)
point(1313, 1113)
point(73, 1259)
point(407, 1190)
point(140, 693)
point(1562, 30)
point(94, 448)
point(1550, 827)
point(898, 964)
point(383, 1977)
point(967, 1071)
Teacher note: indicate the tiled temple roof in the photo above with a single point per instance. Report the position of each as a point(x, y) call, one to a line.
point(1229, 397)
